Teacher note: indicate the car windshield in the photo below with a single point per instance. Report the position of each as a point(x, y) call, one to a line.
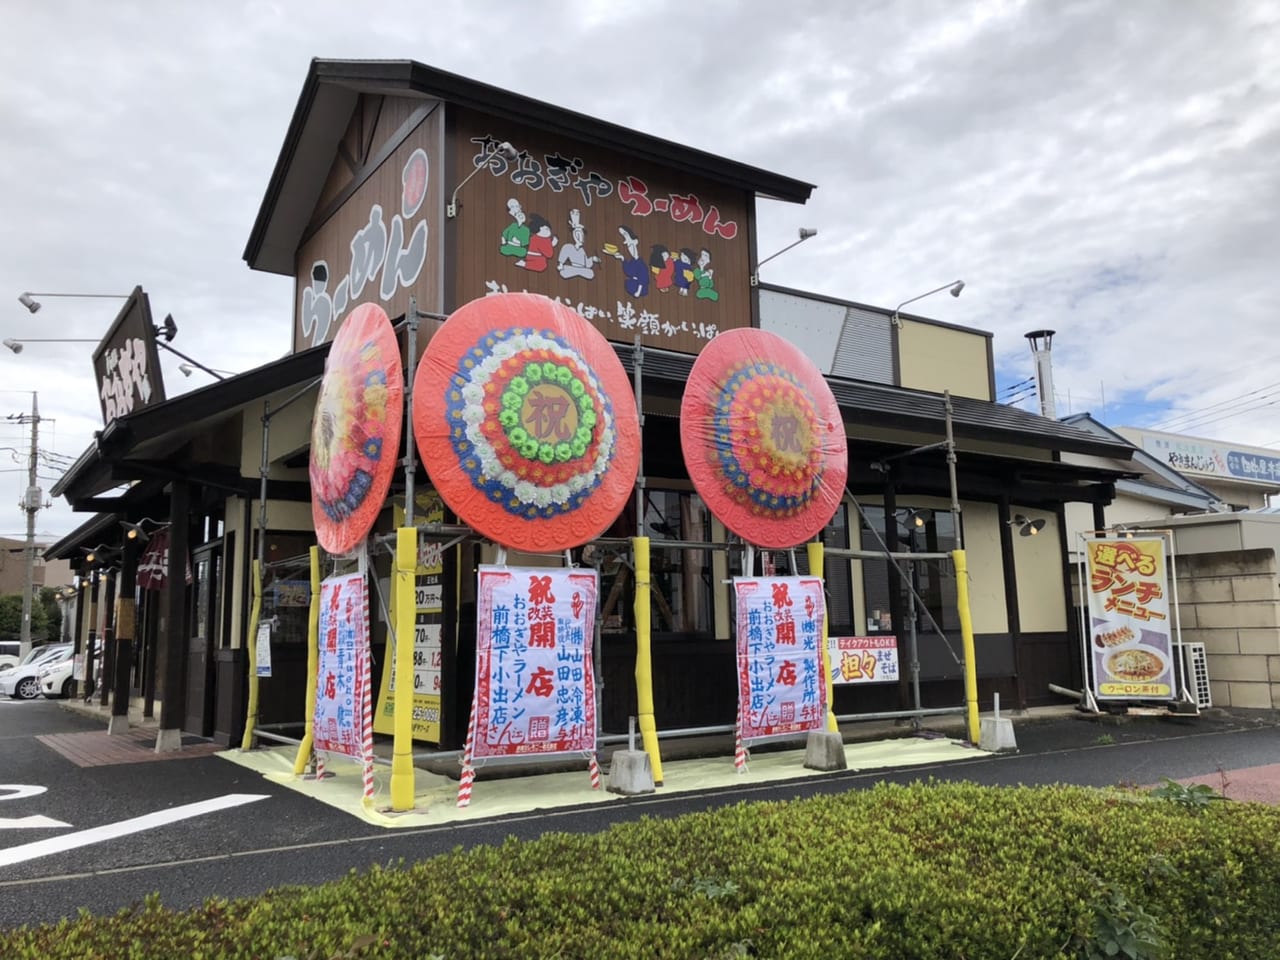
point(40, 654)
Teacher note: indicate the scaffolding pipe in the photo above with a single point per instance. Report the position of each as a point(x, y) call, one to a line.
point(644, 661)
point(410, 459)
point(966, 637)
point(815, 551)
point(307, 745)
point(406, 565)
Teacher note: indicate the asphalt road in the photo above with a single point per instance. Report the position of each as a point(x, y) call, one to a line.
point(286, 838)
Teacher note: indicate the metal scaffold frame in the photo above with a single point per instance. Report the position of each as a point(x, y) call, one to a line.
point(403, 545)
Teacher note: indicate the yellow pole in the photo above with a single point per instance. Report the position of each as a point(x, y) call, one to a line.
point(644, 659)
point(405, 610)
point(313, 666)
point(966, 636)
point(816, 558)
point(251, 718)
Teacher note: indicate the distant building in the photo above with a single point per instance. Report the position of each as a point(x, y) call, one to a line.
point(1241, 476)
point(13, 571)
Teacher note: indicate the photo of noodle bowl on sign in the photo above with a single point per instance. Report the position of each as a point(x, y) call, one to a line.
point(1136, 664)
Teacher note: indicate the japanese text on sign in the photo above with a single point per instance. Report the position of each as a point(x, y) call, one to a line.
point(863, 659)
point(1130, 643)
point(535, 692)
point(780, 687)
point(343, 665)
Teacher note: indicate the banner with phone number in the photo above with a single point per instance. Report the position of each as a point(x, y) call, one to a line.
point(428, 627)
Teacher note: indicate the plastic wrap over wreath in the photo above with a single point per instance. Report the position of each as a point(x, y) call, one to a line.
point(526, 422)
point(763, 439)
point(355, 436)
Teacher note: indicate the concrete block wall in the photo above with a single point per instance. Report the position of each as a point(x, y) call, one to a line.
point(1230, 602)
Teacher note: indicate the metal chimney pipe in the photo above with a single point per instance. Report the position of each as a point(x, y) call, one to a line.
point(1041, 348)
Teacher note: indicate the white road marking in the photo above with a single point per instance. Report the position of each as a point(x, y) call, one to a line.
point(21, 791)
point(110, 831)
point(36, 820)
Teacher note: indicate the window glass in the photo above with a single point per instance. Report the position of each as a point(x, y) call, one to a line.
point(935, 582)
point(681, 584)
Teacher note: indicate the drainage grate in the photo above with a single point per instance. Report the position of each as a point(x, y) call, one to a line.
point(1196, 665)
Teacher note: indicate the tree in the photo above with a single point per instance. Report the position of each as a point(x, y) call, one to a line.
point(52, 614)
point(11, 618)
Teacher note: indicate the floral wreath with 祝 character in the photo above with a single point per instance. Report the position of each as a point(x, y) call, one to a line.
point(347, 436)
point(767, 440)
point(530, 423)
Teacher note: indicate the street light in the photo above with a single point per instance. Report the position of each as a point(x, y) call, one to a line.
point(187, 369)
point(29, 300)
point(952, 288)
point(805, 234)
point(504, 150)
point(15, 344)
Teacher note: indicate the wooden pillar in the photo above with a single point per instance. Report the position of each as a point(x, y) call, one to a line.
point(1012, 612)
point(91, 642)
point(108, 639)
point(173, 707)
point(126, 621)
point(82, 600)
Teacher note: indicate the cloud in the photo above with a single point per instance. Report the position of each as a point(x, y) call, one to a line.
point(1106, 170)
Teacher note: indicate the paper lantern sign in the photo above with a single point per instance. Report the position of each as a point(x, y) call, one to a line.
point(763, 439)
point(355, 436)
point(526, 422)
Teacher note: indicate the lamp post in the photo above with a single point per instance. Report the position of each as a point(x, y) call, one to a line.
point(953, 288)
point(28, 299)
point(805, 234)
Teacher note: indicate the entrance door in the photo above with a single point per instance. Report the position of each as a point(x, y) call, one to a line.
point(207, 583)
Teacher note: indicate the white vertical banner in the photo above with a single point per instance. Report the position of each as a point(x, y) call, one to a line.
point(535, 691)
point(343, 666)
point(781, 690)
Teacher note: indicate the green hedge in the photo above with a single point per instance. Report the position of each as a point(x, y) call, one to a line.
point(926, 871)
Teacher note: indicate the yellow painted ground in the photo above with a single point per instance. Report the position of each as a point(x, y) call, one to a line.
point(435, 796)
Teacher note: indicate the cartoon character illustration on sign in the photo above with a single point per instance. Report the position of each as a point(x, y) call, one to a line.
point(515, 238)
point(705, 277)
point(541, 245)
point(663, 267)
point(634, 269)
point(574, 259)
point(684, 271)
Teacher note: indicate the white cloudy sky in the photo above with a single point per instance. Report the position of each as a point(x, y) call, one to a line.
point(1105, 169)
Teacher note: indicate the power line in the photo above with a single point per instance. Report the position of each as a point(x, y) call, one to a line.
point(1199, 412)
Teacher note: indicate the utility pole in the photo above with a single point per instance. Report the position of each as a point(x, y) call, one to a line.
point(31, 505)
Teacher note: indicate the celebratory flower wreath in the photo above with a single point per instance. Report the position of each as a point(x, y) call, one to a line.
point(763, 438)
point(537, 441)
point(355, 435)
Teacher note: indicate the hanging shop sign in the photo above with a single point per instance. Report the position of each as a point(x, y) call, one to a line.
point(863, 659)
point(355, 436)
point(763, 439)
point(153, 565)
point(632, 247)
point(126, 365)
point(779, 630)
point(1131, 645)
point(535, 691)
point(428, 628)
point(526, 423)
point(342, 682)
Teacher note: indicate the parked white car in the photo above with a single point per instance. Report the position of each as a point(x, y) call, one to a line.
point(55, 678)
point(23, 681)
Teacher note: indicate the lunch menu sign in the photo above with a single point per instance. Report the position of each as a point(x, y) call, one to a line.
point(1131, 645)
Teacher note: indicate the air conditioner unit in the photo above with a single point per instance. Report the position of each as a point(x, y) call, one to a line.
point(1195, 663)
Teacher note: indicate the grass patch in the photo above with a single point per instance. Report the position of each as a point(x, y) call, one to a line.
point(922, 871)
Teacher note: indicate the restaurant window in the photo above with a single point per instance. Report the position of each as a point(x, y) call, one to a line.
point(837, 580)
point(920, 530)
point(681, 582)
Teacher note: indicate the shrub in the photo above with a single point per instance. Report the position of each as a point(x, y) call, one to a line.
point(925, 871)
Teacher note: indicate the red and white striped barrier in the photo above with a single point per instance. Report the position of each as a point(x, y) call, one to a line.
point(468, 771)
point(595, 771)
